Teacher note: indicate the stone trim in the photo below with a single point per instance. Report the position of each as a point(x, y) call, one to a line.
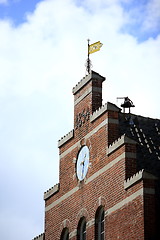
point(90, 223)
point(98, 112)
point(66, 138)
point(97, 89)
point(39, 237)
point(89, 90)
point(150, 191)
point(85, 80)
point(91, 178)
point(82, 213)
point(73, 234)
point(138, 177)
point(105, 168)
point(93, 117)
point(113, 107)
point(51, 191)
point(65, 196)
point(125, 201)
point(106, 107)
point(117, 206)
point(119, 142)
point(77, 144)
point(66, 224)
point(113, 120)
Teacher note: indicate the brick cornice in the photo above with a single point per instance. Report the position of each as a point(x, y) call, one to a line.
point(119, 142)
point(66, 138)
point(86, 79)
point(39, 237)
point(106, 107)
point(138, 177)
point(51, 191)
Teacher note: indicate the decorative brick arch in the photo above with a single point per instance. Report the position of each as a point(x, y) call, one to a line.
point(82, 213)
point(100, 202)
point(84, 142)
point(66, 224)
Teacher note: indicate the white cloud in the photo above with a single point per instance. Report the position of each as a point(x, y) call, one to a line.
point(3, 1)
point(19, 226)
point(143, 18)
point(41, 60)
point(152, 21)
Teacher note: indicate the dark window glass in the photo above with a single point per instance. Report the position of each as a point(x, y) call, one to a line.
point(65, 234)
point(81, 230)
point(99, 224)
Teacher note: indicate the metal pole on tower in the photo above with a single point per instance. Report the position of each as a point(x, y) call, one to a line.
point(88, 60)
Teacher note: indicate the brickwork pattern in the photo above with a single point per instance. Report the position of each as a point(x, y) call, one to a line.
point(112, 180)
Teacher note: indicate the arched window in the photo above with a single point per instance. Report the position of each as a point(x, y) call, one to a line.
point(99, 224)
point(81, 230)
point(65, 234)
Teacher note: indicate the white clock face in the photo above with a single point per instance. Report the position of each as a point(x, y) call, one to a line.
point(82, 163)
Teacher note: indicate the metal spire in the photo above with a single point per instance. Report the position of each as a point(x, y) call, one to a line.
point(88, 62)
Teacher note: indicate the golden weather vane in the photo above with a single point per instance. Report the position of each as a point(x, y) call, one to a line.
point(94, 47)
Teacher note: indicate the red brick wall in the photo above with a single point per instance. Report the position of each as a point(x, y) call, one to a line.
point(126, 222)
point(104, 183)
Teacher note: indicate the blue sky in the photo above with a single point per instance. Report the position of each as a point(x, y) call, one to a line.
point(139, 11)
point(43, 49)
point(16, 10)
point(143, 18)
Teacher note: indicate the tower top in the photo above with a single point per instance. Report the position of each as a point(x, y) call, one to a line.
point(86, 79)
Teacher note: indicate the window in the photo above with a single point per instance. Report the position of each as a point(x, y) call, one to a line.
point(99, 224)
point(81, 230)
point(65, 234)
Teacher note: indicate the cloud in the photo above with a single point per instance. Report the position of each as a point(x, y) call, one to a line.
point(41, 60)
point(143, 18)
point(17, 222)
point(152, 21)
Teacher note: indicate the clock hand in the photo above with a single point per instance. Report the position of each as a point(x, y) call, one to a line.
point(83, 169)
point(85, 165)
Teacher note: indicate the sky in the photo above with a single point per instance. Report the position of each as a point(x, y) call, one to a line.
point(43, 50)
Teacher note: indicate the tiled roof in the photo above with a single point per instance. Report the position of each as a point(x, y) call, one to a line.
point(146, 132)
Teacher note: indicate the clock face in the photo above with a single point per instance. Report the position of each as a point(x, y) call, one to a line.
point(82, 163)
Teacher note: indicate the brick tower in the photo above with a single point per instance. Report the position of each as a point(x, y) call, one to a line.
point(109, 173)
